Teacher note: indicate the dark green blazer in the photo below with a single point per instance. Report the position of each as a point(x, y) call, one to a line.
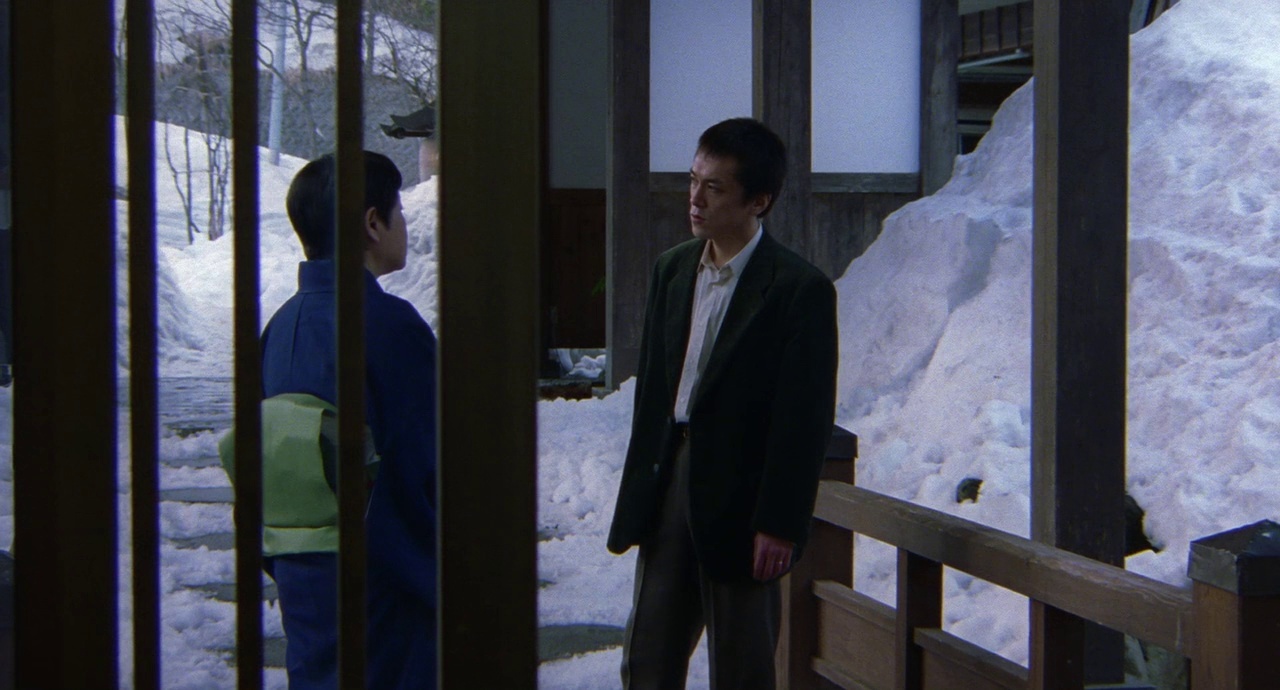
point(761, 416)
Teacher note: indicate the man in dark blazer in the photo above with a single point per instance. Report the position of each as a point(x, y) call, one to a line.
point(734, 406)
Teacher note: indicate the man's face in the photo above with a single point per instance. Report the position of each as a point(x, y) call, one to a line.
point(717, 208)
point(392, 247)
point(398, 236)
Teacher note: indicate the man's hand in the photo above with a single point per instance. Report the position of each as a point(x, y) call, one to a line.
point(772, 557)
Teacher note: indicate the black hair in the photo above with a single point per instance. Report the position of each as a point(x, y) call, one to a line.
point(758, 151)
point(312, 203)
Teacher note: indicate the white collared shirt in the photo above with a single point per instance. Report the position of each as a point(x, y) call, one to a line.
point(711, 297)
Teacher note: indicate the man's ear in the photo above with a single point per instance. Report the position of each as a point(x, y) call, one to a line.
point(760, 203)
point(371, 222)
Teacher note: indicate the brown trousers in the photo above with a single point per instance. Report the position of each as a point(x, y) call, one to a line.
point(674, 601)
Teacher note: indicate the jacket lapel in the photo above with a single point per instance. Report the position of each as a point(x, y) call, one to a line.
point(747, 299)
point(678, 310)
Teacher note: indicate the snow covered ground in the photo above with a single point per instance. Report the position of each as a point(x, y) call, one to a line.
point(934, 377)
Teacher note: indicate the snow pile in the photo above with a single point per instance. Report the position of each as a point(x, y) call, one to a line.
point(935, 317)
point(198, 277)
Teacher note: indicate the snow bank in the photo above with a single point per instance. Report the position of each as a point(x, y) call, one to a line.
point(935, 317)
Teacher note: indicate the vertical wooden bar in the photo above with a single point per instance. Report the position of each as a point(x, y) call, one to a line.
point(919, 606)
point(143, 406)
point(628, 258)
point(248, 351)
point(489, 213)
point(1079, 295)
point(939, 91)
point(828, 556)
point(781, 78)
point(351, 349)
point(1236, 608)
point(64, 419)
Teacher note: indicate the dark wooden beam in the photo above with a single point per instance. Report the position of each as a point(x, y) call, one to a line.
point(1079, 292)
point(939, 91)
point(491, 87)
point(248, 353)
point(64, 420)
point(919, 608)
point(144, 418)
point(1148, 609)
point(627, 248)
point(349, 266)
point(781, 78)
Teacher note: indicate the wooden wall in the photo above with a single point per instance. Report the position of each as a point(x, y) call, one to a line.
point(573, 269)
point(828, 218)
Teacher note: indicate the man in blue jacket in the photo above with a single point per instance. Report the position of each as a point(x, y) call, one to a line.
point(299, 356)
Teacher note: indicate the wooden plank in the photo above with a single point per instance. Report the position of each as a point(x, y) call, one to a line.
point(1057, 652)
point(144, 435)
point(573, 264)
point(919, 606)
point(850, 223)
point(782, 55)
point(939, 91)
point(64, 419)
point(248, 357)
point(349, 266)
point(491, 87)
point(1079, 302)
point(1128, 602)
point(856, 635)
point(1235, 639)
point(952, 662)
point(839, 677)
point(828, 557)
point(1236, 593)
point(866, 183)
point(628, 254)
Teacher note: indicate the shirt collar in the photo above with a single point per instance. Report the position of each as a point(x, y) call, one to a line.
point(318, 276)
point(734, 266)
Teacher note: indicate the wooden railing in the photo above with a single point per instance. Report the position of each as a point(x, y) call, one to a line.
point(1227, 624)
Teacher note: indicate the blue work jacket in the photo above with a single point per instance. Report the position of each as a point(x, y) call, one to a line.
point(298, 356)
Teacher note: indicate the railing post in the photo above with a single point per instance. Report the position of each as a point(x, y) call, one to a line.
point(828, 556)
point(919, 606)
point(1236, 603)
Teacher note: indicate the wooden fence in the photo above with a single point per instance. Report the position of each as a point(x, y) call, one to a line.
point(1227, 624)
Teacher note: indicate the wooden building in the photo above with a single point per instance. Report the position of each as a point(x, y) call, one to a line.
point(66, 454)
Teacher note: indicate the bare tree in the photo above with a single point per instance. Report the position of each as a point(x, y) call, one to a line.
point(406, 29)
point(197, 84)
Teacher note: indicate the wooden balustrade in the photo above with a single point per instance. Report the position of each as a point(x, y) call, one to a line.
point(1227, 624)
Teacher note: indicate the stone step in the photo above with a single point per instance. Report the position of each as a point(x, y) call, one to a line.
point(226, 591)
point(554, 642)
point(272, 653)
point(211, 494)
point(564, 641)
point(218, 541)
point(209, 461)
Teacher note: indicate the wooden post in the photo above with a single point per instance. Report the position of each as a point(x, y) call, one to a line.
point(491, 90)
point(1236, 598)
point(1079, 295)
point(64, 418)
point(828, 556)
point(627, 254)
point(782, 50)
point(939, 91)
point(919, 606)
